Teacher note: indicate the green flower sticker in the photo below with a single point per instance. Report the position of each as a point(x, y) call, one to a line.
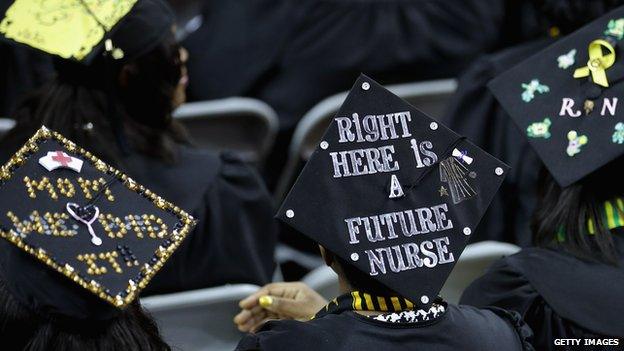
point(618, 135)
point(531, 88)
point(615, 28)
point(575, 142)
point(539, 129)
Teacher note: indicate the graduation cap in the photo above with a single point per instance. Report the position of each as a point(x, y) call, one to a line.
point(565, 98)
point(79, 30)
point(393, 192)
point(82, 218)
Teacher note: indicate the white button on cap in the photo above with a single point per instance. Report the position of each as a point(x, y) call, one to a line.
point(498, 171)
point(324, 145)
point(355, 256)
point(433, 125)
point(365, 86)
point(290, 213)
point(424, 299)
point(467, 231)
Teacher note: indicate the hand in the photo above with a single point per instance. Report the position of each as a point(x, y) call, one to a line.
point(279, 301)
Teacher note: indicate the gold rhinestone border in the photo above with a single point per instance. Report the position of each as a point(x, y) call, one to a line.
point(163, 253)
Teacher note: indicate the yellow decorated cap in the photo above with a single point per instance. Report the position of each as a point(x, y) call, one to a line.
point(79, 29)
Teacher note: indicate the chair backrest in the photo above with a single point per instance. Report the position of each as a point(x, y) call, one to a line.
point(6, 125)
point(324, 281)
point(243, 125)
point(431, 97)
point(473, 262)
point(199, 319)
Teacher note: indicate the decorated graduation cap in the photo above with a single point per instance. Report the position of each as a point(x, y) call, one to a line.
point(81, 238)
point(566, 99)
point(393, 192)
point(80, 30)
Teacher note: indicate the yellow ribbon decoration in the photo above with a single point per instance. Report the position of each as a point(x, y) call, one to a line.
point(598, 62)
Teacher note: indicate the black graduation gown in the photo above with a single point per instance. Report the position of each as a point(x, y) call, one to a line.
point(292, 54)
point(21, 71)
point(558, 295)
point(475, 113)
point(235, 236)
point(460, 328)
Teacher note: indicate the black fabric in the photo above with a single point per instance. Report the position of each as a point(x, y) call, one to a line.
point(568, 15)
point(571, 142)
point(235, 237)
point(292, 54)
point(143, 28)
point(460, 328)
point(475, 113)
point(558, 295)
point(21, 71)
point(383, 214)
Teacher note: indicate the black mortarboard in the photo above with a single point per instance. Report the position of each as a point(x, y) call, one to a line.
point(393, 192)
point(565, 98)
point(84, 220)
point(80, 29)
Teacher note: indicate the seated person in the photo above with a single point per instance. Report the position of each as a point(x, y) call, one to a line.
point(474, 112)
point(120, 108)
point(569, 285)
point(294, 54)
point(391, 238)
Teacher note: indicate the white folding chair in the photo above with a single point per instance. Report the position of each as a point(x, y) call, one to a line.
point(6, 125)
point(430, 97)
point(200, 319)
point(473, 262)
point(243, 125)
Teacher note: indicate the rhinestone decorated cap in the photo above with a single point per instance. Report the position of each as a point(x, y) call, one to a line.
point(393, 192)
point(566, 99)
point(84, 219)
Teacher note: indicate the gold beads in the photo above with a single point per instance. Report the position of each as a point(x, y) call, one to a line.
point(40, 185)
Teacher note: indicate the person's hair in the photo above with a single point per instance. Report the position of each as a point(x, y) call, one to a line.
point(562, 215)
point(23, 329)
point(90, 105)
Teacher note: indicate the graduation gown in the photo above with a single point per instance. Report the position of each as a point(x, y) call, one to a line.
point(21, 71)
point(235, 237)
point(292, 54)
point(558, 295)
point(458, 328)
point(476, 114)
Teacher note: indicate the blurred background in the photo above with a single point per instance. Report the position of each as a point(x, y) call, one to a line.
point(267, 76)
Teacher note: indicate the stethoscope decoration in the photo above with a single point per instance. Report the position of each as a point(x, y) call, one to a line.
point(86, 215)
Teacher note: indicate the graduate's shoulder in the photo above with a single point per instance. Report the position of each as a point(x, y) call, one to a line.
point(491, 327)
point(295, 335)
